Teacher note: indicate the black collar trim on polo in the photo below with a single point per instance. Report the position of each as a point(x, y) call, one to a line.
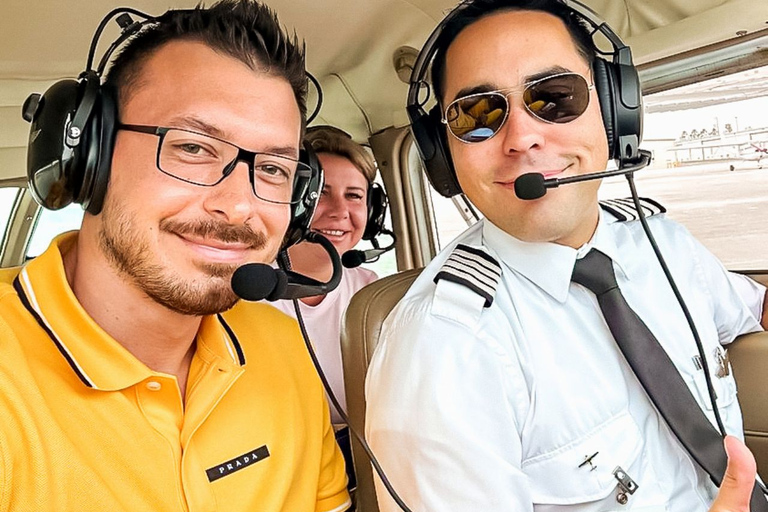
point(25, 301)
point(235, 342)
point(68, 357)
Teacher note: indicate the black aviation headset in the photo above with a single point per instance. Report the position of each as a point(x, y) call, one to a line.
point(374, 227)
point(616, 82)
point(72, 134)
point(377, 211)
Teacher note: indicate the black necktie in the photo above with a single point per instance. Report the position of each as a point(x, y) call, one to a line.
point(656, 371)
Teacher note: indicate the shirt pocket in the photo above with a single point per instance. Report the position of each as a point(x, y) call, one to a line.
point(727, 399)
point(725, 390)
point(564, 477)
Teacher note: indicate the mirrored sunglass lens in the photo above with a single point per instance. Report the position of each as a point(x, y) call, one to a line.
point(476, 117)
point(558, 99)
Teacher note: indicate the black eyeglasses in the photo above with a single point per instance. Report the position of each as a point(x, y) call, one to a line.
point(204, 160)
point(559, 98)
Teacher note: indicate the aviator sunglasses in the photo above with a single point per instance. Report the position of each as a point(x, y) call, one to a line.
point(559, 99)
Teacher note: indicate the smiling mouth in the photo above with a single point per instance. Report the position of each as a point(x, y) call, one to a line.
point(330, 232)
point(220, 246)
point(546, 174)
point(550, 174)
point(216, 251)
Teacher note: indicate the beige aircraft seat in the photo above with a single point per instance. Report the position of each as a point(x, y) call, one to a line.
point(749, 359)
point(359, 335)
point(371, 305)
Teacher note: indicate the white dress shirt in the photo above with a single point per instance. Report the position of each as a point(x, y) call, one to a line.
point(499, 408)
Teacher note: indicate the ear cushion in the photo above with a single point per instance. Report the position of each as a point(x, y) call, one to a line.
point(431, 140)
point(629, 112)
point(377, 211)
point(100, 143)
point(621, 103)
point(604, 85)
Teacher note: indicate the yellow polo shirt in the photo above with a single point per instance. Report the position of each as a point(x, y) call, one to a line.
point(85, 426)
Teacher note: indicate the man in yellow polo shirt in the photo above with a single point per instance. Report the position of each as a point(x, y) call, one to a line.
point(128, 381)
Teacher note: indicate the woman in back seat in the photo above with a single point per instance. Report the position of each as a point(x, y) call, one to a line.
point(341, 216)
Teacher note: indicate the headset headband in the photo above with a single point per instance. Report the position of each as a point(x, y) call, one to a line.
point(129, 28)
point(622, 54)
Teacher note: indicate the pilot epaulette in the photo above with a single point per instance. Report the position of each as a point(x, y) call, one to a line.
point(473, 268)
point(624, 209)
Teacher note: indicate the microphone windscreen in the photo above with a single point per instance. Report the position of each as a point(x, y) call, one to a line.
point(255, 281)
point(352, 259)
point(530, 186)
point(281, 287)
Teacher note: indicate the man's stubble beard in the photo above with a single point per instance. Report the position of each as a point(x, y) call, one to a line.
point(129, 253)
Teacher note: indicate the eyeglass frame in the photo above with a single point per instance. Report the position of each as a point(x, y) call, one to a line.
point(243, 155)
point(505, 92)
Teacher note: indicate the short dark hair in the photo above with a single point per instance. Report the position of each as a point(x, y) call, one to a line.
point(246, 30)
point(473, 10)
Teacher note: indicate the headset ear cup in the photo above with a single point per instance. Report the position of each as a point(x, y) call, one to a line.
point(100, 144)
point(618, 89)
point(604, 85)
point(431, 141)
point(54, 169)
point(377, 211)
point(628, 116)
point(303, 210)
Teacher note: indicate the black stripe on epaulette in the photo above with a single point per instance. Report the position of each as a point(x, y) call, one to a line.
point(487, 272)
point(624, 209)
point(473, 268)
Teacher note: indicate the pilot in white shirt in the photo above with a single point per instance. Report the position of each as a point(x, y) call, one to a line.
point(497, 384)
point(528, 404)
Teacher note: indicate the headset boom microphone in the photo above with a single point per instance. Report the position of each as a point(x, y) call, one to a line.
point(259, 281)
point(533, 185)
point(355, 258)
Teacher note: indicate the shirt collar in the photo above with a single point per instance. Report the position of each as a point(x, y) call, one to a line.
point(605, 241)
point(98, 359)
point(549, 265)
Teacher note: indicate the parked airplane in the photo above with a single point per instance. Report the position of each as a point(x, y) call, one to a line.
point(753, 153)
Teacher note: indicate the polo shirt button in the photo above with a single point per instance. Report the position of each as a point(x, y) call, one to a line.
point(154, 385)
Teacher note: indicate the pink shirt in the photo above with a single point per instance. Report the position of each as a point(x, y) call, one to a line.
point(323, 324)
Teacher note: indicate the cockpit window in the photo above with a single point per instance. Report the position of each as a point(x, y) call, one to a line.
point(52, 223)
point(7, 200)
point(710, 167)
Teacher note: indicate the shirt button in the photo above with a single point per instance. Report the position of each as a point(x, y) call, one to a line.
point(154, 385)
